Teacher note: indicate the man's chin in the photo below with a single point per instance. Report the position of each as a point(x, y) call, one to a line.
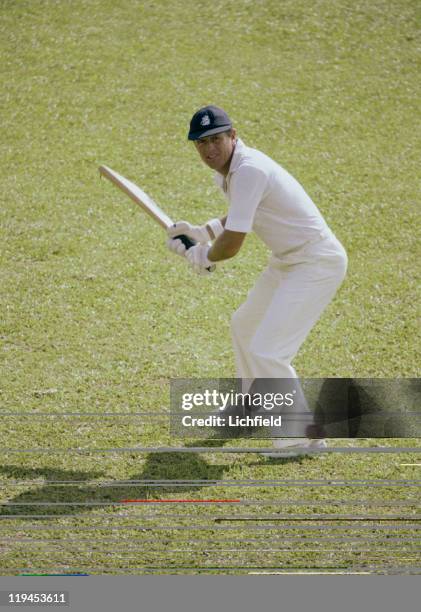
point(213, 163)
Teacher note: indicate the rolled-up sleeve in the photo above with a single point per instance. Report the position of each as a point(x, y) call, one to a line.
point(246, 190)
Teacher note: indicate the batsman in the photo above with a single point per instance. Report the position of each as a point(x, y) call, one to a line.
point(307, 263)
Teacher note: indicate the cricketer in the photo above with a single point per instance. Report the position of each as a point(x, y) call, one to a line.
point(307, 262)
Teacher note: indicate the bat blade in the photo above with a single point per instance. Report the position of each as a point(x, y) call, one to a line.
point(146, 203)
point(137, 195)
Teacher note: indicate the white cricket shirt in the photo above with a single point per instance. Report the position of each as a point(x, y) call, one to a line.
point(266, 199)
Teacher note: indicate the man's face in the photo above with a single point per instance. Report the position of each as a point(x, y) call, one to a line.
point(216, 150)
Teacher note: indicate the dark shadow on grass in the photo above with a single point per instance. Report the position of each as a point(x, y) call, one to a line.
point(176, 467)
point(19, 472)
point(158, 466)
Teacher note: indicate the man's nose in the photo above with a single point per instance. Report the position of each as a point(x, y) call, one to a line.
point(210, 147)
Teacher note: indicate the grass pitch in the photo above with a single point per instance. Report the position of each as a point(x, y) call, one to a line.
point(97, 316)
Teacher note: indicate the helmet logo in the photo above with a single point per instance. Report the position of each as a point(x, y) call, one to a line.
point(205, 120)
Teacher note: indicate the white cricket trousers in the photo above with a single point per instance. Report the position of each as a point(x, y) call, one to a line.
point(283, 306)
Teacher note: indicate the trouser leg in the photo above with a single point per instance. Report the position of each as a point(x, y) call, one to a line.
point(303, 292)
point(247, 318)
point(286, 302)
point(280, 311)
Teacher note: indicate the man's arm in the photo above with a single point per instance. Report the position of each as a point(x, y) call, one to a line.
point(226, 245)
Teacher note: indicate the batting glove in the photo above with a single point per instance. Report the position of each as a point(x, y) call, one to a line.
point(200, 233)
point(197, 257)
point(176, 246)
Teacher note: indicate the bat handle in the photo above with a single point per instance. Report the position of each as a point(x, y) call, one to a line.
point(189, 243)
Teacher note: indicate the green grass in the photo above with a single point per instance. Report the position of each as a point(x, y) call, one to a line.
point(96, 313)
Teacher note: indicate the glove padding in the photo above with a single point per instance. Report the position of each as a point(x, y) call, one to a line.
point(199, 233)
point(197, 257)
point(176, 246)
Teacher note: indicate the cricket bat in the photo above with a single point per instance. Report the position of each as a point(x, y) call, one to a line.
point(146, 203)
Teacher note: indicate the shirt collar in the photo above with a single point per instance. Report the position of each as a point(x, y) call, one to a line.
point(239, 150)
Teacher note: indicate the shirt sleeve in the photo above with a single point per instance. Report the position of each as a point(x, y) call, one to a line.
point(246, 190)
